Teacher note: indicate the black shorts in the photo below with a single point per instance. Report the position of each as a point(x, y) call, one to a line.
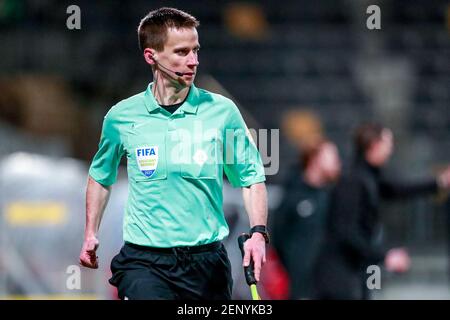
point(191, 273)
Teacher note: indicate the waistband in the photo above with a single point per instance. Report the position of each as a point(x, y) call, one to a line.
point(188, 249)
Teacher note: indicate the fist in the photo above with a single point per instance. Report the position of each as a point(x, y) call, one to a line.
point(88, 256)
point(397, 260)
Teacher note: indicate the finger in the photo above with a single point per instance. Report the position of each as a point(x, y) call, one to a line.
point(85, 263)
point(257, 260)
point(89, 264)
point(89, 260)
point(246, 259)
point(93, 259)
point(91, 253)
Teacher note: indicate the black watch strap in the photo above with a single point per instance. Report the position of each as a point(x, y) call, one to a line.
point(260, 229)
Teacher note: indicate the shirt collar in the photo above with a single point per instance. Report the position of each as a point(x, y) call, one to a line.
point(190, 105)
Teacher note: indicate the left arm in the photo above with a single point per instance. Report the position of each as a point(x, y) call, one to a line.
point(255, 202)
point(401, 189)
point(246, 170)
point(390, 188)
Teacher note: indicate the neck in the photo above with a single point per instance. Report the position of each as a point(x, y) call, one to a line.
point(168, 91)
point(313, 178)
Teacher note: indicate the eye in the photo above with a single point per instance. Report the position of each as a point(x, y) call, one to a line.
point(182, 52)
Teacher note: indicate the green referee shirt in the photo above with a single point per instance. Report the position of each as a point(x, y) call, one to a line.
point(175, 165)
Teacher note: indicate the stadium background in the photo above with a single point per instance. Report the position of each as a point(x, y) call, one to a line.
point(305, 67)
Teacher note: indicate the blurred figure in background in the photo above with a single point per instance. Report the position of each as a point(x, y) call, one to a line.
point(447, 210)
point(353, 227)
point(298, 226)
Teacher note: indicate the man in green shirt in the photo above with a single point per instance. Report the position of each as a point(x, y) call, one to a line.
point(178, 140)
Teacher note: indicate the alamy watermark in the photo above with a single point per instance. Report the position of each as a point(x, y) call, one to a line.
point(73, 281)
point(374, 20)
point(373, 281)
point(73, 21)
point(211, 147)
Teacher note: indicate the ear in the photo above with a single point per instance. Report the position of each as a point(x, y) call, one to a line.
point(149, 55)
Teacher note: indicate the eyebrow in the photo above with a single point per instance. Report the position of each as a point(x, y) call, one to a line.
point(184, 48)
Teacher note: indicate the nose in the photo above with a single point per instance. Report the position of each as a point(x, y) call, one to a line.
point(193, 59)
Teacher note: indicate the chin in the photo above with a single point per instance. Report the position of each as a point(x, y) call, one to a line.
point(185, 83)
point(189, 82)
point(332, 178)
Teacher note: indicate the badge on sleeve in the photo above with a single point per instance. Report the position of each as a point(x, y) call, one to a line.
point(147, 160)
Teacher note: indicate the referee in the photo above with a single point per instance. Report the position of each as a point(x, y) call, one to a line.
point(178, 141)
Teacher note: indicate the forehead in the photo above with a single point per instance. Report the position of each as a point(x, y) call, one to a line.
point(181, 37)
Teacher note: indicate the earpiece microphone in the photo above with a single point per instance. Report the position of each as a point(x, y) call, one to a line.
point(180, 74)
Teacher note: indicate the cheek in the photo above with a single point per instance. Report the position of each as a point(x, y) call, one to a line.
point(336, 166)
point(379, 152)
point(331, 162)
point(175, 60)
point(180, 60)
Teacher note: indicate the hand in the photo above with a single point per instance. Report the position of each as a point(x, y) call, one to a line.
point(88, 257)
point(255, 248)
point(397, 260)
point(444, 179)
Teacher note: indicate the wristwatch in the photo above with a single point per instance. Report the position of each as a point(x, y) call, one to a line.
point(261, 229)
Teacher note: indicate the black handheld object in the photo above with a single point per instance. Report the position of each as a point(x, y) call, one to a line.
point(248, 271)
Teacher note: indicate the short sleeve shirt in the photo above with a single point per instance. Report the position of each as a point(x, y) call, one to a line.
point(175, 165)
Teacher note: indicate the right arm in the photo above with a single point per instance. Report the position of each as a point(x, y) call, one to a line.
point(102, 174)
point(97, 197)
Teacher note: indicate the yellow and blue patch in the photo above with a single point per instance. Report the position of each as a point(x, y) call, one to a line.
point(147, 160)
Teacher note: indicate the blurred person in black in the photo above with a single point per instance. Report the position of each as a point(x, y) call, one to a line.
point(353, 227)
point(447, 209)
point(299, 223)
